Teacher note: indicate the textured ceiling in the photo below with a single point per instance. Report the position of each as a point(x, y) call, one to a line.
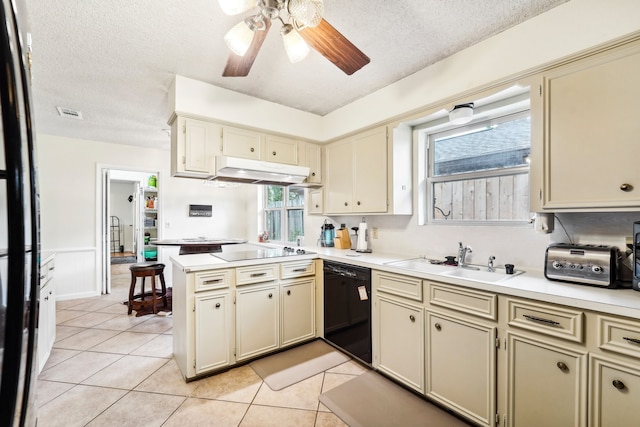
point(114, 60)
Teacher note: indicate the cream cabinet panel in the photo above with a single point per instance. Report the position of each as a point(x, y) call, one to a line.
point(592, 132)
point(46, 314)
point(194, 144)
point(213, 329)
point(241, 143)
point(461, 366)
point(401, 341)
point(298, 321)
point(315, 201)
point(313, 161)
point(547, 384)
point(339, 179)
point(615, 393)
point(370, 171)
point(280, 150)
point(257, 319)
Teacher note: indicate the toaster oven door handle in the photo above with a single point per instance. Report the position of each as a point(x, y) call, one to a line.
point(541, 320)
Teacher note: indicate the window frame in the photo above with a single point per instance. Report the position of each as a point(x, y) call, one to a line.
point(430, 180)
point(284, 212)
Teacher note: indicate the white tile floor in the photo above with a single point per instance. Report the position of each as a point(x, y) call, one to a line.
point(111, 369)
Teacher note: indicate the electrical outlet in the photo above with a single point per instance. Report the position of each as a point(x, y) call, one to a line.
point(375, 232)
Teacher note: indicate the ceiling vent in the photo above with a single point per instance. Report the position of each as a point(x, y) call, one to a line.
point(68, 112)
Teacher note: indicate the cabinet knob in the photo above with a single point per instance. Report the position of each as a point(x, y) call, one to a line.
point(270, 295)
point(358, 203)
point(346, 204)
point(46, 298)
point(562, 366)
point(252, 149)
point(317, 206)
point(618, 384)
point(626, 187)
point(217, 305)
point(412, 317)
point(438, 327)
point(313, 174)
point(289, 292)
point(273, 153)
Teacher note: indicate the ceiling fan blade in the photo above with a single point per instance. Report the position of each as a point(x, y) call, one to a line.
point(239, 66)
point(331, 44)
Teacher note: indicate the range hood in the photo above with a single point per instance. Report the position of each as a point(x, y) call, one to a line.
point(235, 169)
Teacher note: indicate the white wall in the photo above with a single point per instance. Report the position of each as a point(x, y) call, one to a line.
point(124, 210)
point(69, 194)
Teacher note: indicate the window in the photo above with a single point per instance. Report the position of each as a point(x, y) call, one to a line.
point(480, 172)
point(284, 212)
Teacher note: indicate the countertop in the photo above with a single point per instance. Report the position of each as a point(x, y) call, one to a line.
point(531, 284)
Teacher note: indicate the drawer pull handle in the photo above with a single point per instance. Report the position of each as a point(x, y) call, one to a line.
point(212, 281)
point(541, 320)
point(412, 318)
point(217, 305)
point(438, 327)
point(289, 292)
point(618, 384)
point(258, 274)
point(633, 340)
point(299, 270)
point(270, 295)
point(562, 366)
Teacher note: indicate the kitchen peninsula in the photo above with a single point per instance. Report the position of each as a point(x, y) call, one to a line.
point(511, 333)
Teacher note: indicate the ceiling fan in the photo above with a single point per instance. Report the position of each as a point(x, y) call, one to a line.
point(302, 26)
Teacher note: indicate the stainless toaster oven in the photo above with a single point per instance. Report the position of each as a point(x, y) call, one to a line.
point(595, 265)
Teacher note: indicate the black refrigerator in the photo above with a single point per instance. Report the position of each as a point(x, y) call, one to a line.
point(19, 229)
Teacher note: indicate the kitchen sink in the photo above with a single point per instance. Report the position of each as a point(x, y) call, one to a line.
point(480, 274)
point(423, 265)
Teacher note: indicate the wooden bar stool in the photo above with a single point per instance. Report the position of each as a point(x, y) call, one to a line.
point(143, 299)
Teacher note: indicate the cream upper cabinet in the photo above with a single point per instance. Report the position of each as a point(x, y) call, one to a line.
point(591, 133)
point(243, 143)
point(356, 179)
point(313, 160)
point(194, 144)
point(280, 150)
point(315, 201)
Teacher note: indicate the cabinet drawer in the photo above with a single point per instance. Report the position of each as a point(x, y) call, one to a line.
point(396, 284)
point(619, 335)
point(546, 319)
point(291, 270)
point(210, 280)
point(477, 303)
point(256, 274)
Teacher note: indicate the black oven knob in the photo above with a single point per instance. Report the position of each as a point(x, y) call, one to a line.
point(596, 269)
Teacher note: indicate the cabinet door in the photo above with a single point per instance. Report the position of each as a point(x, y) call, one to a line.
point(314, 162)
point(461, 366)
point(298, 311)
point(546, 384)
point(281, 150)
point(615, 393)
point(212, 331)
point(46, 331)
point(201, 140)
point(315, 201)
point(370, 171)
point(339, 179)
point(401, 342)
point(241, 143)
point(257, 320)
point(592, 125)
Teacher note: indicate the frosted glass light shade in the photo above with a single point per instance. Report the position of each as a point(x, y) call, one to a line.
point(234, 7)
point(239, 38)
point(461, 114)
point(294, 44)
point(306, 13)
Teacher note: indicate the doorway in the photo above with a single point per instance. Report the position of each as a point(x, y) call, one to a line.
point(124, 219)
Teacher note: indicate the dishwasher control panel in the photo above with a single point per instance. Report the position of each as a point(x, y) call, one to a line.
point(585, 264)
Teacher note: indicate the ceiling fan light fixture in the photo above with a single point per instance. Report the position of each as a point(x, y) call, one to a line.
point(239, 38)
point(306, 13)
point(294, 45)
point(235, 7)
point(461, 114)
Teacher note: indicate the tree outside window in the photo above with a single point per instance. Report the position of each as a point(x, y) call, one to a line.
point(284, 213)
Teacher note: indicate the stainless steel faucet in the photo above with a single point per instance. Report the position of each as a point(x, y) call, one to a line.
point(490, 263)
point(462, 254)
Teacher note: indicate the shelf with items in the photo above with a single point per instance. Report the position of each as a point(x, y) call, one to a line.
point(150, 222)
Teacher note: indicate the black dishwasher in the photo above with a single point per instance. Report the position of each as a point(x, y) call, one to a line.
point(347, 308)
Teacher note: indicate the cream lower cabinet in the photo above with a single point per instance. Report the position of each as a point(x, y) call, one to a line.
point(614, 393)
point(257, 319)
point(297, 302)
point(46, 313)
point(547, 383)
point(213, 329)
point(461, 366)
point(401, 341)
